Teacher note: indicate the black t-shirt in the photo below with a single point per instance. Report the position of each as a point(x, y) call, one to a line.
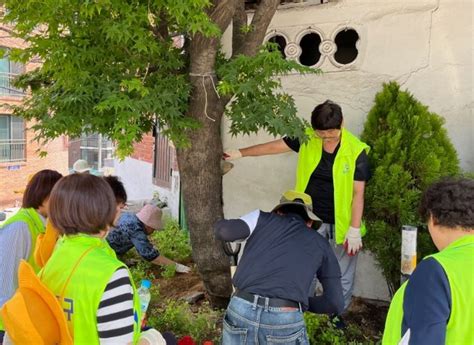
point(282, 256)
point(320, 185)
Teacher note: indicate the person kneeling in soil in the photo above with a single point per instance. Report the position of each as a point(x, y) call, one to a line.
point(100, 300)
point(282, 255)
point(133, 230)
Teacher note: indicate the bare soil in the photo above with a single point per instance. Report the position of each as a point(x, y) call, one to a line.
point(367, 315)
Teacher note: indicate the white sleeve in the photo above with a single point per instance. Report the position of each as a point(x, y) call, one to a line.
point(251, 219)
point(15, 245)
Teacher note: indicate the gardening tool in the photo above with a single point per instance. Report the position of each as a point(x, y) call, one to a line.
point(226, 167)
point(233, 254)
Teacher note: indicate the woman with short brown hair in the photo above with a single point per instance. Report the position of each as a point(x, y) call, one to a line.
point(18, 234)
point(94, 287)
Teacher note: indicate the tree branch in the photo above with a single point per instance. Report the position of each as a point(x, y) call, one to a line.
point(203, 50)
point(160, 29)
point(258, 28)
point(238, 23)
point(222, 12)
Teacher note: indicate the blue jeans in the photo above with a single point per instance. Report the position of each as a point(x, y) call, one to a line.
point(248, 323)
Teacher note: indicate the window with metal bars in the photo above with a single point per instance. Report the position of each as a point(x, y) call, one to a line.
point(162, 163)
point(12, 139)
point(8, 72)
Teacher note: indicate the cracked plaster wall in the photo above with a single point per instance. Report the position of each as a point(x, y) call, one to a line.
point(425, 45)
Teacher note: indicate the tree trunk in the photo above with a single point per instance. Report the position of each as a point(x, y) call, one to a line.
point(199, 164)
point(200, 173)
point(201, 181)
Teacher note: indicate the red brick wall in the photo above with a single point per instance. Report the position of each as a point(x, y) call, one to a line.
point(12, 180)
point(56, 159)
point(143, 150)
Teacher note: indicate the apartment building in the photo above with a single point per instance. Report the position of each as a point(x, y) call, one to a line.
point(19, 153)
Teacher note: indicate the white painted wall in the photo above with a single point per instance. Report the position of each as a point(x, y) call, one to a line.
point(136, 176)
point(424, 45)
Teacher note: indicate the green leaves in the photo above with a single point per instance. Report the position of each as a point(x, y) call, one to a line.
point(105, 68)
point(258, 101)
point(111, 67)
point(172, 241)
point(410, 149)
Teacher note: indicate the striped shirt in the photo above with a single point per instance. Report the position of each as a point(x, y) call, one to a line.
point(15, 245)
point(115, 317)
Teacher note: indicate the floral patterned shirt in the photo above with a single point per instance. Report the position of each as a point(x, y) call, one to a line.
point(129, 233)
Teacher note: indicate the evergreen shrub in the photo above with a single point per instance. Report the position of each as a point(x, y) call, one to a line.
point(410, 149)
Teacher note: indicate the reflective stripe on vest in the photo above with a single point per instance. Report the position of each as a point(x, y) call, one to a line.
point(86, 285)
point(457, 260)
point(343, 175)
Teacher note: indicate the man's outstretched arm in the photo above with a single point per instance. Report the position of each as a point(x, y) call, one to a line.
point(231, 230)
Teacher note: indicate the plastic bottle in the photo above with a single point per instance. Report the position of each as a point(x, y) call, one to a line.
point(144, 296)
point(408, 252)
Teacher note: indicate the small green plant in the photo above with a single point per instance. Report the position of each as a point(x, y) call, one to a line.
point(177, 317)
point(169, 271)
point(322, 331)
point(410, 149)
point(142, 270)
point(172, 241)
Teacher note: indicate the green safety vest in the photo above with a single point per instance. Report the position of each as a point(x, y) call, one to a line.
point(343, 175)
point(457, 261)
point(35, 225)
point(95, 262)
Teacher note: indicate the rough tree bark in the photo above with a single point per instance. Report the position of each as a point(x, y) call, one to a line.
point(200, 173)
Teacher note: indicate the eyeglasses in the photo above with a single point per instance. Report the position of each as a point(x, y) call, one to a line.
point(328, 134)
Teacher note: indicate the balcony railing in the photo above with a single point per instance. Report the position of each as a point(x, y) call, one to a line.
point(12, 150)
point(6, 85)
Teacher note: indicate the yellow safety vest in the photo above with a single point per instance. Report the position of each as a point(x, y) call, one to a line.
point(94, 263)
point(35, 225)
point(343, 175)
point(457, 260)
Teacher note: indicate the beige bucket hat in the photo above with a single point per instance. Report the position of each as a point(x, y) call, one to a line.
point(150, 215)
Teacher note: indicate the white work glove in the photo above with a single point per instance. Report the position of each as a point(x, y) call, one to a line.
point(151, 337)
point(231, 154)
point(182, 268)
point(353, 241)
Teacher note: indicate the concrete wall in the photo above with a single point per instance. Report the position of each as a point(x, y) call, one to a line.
point(136, 176)
point(426, 46)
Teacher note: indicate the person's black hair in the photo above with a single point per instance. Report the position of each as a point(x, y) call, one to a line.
point(327, 115)
point(299, 210)
point(450, 202)
point(39, 187)
point(118, 188)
